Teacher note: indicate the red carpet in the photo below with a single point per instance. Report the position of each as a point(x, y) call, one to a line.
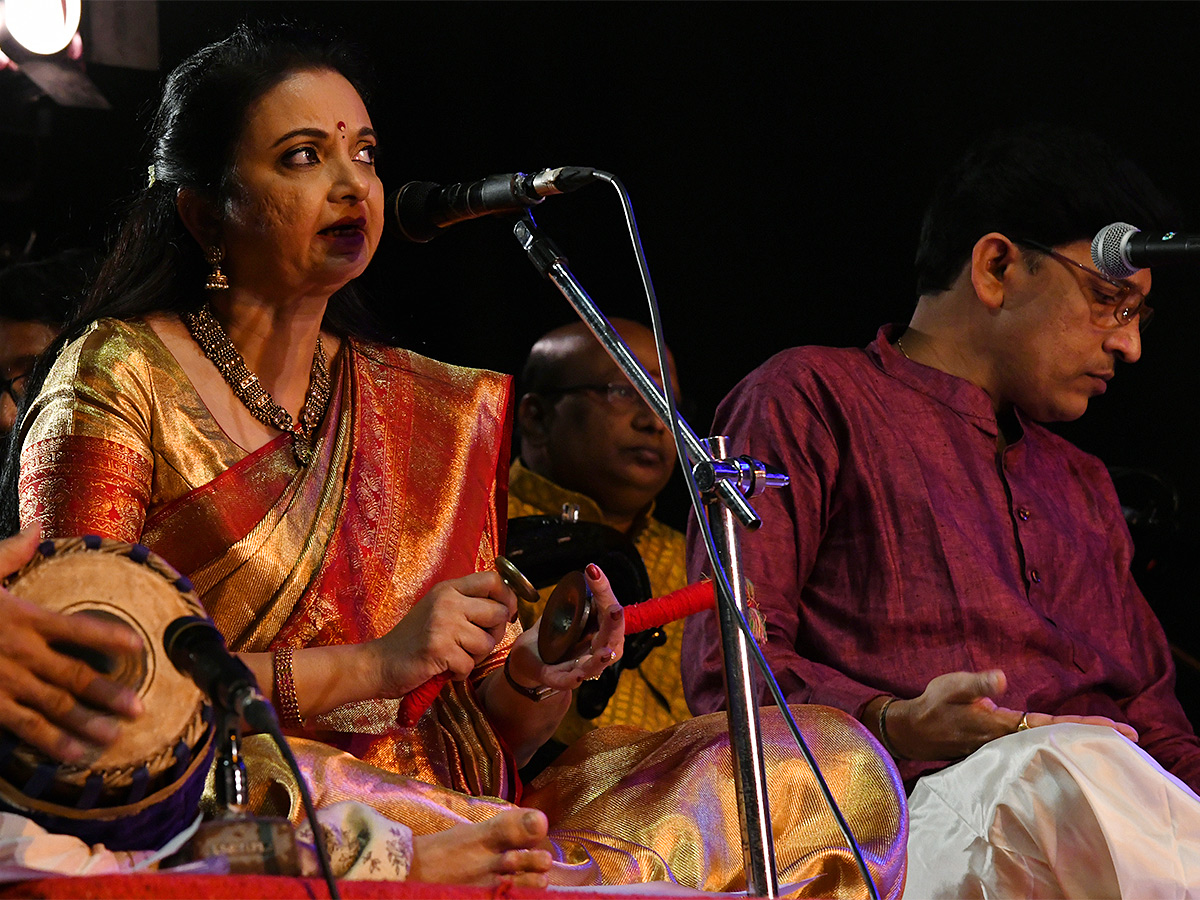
point(267, 887)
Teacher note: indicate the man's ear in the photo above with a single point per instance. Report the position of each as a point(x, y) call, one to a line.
point(198, 217)
point(533, 419)
point(992, 259)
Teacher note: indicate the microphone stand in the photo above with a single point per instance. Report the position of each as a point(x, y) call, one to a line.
point(547, 259)
point(723, 479)
point(252, 845)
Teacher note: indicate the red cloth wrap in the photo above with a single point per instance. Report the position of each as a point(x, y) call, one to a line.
point(652, 613)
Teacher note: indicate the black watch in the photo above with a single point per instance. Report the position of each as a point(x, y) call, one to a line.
point(536, 694)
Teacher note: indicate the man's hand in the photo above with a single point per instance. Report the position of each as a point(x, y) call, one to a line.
point(957, 714)
point(51, 701)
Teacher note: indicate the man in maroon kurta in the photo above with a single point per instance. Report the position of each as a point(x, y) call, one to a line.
point(917, 551)
point(941, 565)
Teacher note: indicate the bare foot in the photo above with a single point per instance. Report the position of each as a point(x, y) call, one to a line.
point(505, 846)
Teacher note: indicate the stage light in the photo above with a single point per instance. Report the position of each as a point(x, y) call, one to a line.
point(41, 26)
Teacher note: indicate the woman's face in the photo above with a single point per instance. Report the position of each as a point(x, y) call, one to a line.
point(306, 207)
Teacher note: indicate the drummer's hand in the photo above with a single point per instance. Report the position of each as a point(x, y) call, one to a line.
point(51, 701)
point(451, 629)
point(605, 648)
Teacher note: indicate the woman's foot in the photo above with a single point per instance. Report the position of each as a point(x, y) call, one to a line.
point(506, 846)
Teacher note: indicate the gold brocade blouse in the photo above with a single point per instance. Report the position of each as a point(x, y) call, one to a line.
point(118, 384)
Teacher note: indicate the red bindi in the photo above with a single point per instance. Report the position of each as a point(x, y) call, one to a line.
point(341, 126)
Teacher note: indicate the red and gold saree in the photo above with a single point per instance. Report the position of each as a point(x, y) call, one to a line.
point(407, 488)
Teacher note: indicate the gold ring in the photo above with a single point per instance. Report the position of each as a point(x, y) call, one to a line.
point(1024, 725)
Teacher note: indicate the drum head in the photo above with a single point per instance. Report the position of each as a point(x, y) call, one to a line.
point(124, 583)
point(113, 586)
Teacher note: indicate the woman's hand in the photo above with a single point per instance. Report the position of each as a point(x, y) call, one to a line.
point(451, 629)
point(524, 724)
point(605, 647)
point(52, 701)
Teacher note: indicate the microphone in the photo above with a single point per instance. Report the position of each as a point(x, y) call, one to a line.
point(1119, 249)
point(251, 844)
point(420, 209)
point(197, 649)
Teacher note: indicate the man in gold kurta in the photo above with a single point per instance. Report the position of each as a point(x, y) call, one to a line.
point(589, 443)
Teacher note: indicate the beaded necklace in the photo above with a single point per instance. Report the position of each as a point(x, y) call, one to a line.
point(208, 333)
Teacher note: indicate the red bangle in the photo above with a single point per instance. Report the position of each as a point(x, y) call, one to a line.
point(285, 690)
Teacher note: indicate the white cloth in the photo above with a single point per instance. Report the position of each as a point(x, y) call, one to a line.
point(362, 845)
point(1057, 811)
point(27, 850)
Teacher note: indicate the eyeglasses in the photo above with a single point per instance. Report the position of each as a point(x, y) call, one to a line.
point(1117, 300)
point(619, 395)
point(14, 387)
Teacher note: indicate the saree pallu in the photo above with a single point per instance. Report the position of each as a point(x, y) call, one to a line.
point(407, 488)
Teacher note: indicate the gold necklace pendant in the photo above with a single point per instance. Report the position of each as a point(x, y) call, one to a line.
point(212, 339)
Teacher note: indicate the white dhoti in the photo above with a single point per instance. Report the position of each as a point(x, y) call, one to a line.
point(1056, 811)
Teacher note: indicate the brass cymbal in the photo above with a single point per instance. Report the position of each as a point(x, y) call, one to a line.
point(566, 619)
point(512, 576)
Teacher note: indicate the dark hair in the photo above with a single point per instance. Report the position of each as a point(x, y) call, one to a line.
point(46, 290)
point(153, 263)
point(1047, 183)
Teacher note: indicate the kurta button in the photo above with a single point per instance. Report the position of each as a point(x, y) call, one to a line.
point(1034, 576)
point(1022, 513)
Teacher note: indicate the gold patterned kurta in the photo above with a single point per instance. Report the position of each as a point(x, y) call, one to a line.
point(662, 550)
point(406, 489)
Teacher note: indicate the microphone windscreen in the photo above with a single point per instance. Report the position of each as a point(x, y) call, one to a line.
point(408, 212)
point(1108, 250)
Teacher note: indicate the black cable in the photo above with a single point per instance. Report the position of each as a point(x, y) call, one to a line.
point(310, 811)
point(655, 692)
point(724, 591)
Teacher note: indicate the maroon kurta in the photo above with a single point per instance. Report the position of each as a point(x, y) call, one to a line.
point(906, 547)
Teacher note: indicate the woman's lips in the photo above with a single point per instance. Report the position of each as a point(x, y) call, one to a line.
point(348, 234)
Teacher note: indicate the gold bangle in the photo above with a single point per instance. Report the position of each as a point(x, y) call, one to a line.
point(883, 734)
point(285, 689)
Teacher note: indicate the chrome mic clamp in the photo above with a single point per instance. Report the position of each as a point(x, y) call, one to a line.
point(747, 474)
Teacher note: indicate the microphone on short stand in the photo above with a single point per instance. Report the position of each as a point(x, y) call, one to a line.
point(1119, 250)
point(421, 209)
point(250, 844)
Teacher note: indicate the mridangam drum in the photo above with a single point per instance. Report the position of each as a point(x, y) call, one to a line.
point(145, 788)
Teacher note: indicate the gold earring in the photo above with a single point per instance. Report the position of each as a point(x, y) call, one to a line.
point(216, 278)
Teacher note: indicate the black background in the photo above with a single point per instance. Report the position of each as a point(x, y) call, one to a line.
point(779, 156)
